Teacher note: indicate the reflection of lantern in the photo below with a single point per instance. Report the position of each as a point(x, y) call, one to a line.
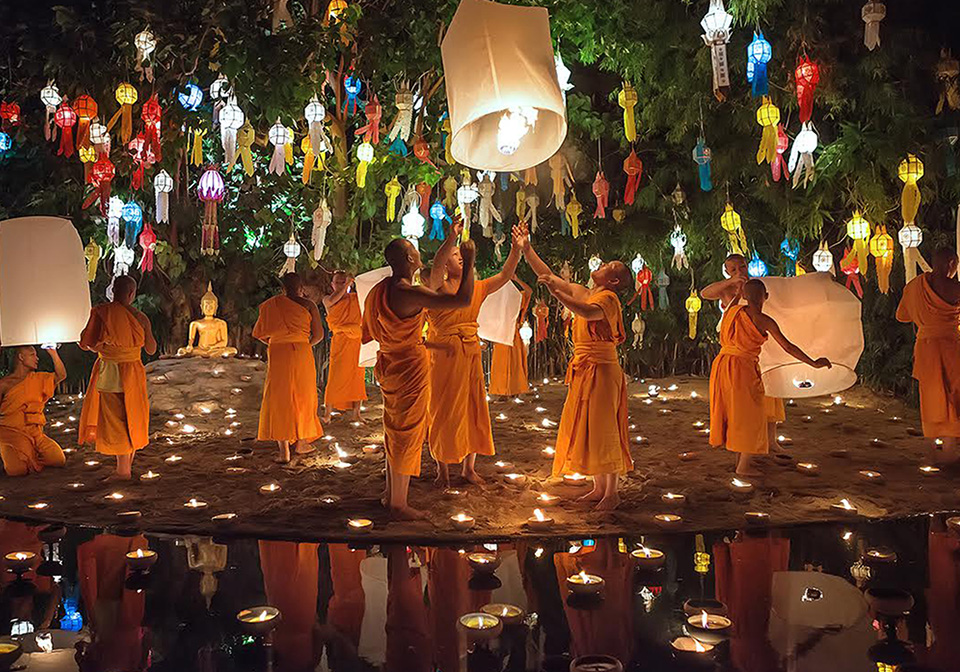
point(858, 229)
point(693, 305)
point(716, 33)
point(502, 88)
point(823, 258)
point(909, 171)
point(820, 317)
point(44, 275)
point(731, 223)
point(768, 116)
point(881, 247)
point(365, 157)
point(211, 191)
point(910, 237)
point(526, 333)
point(162, 186)
point(756, 268)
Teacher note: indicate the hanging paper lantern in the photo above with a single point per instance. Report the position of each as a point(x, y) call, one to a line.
point(911, 236)
point(423, 191)
point(806, 76)
point(86, 109)
point(148, 241)
point(910, 171)
point(365, 157)
point(321, 218)
point(488, 212)
point(858, 230)
point(633, 167)
point(731, 223)
point(526, 333)
point(335, 9)
point(126, 95)
point(220, 87)
point(146, 44)
point(768, 116)
point(310, 160)
point(790, 248)
point(211, 191)
point(10, 114)
point(779, 164)
point(663, 281)
point(678, 240)
point(190, 97)
point(594, 263)
point(756, 268)
point(438, 215)
point(573, 211)
point(702, 156)
point(291, 250)
point(466, 195)
point(693, 305)
point(716, 33)
point(850, 266)
point(563, 75)
point(392, 191)
point(823, 259)
point(371, 130)
point(637, 264)
point(533, 202)
point(88, 155)
point(151, 114)
point(507, 111)
point(627, 98)
point(801, 155)
point(132, 216)
point(352, 86)
point(101, 175)
point(65, 119)
point(142, 158)
point(644, 279)
point(759, 53)
point(246, 136)
point(231, 119)
point(881, 247)
point(51, 99)
point(123, 257)
point(872, 14)
point(279, 138)
point(411, 226)
point(601, 190)
point(114, 212)
point(92, 253)
point(400, 130)
point(6, 142)
point(99, 137)
point(315, 114)
point(162, 186)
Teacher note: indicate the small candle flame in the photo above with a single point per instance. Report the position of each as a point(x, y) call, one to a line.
point(21, 556)
point(846, 504)
point(340, 451)
point(538, 514)
point(461, 517)
point(584, 577)
point(139, 552)
point(262, 617)
point(703, 619)
point(737, 483)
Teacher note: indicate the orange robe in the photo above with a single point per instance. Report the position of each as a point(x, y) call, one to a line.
point(508, 370)
point(592, 437)
point(117, 422)
point(289, 408)
point(345, 383)
point(943, 601)
point(348, 603)
point(773, 407)
point(459, 416)
point(24, 447)
point(403, 371)
point(290, 580)
point(936, 356)
point(408, 635)
point(738, 417)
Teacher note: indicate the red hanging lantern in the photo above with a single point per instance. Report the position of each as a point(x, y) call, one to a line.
point(86, 109)
point(424, 190)
point(850, 265)
point(779, 165)
point(601, 189)
point(633, 167)
point(421, 150)
point(100, 176)
point(151, 114)
point(644, 280)
point(143, 158)
point(148, 241)
point(65, 119)
point(10, 114)
point(807, 76)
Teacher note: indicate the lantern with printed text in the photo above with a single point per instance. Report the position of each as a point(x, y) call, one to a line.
point(823, 259)
point(768, 116)
point(132, 216)
point(911, 236)
point(759, 53)
point(126, 95)
point(693, 305)
point(872, 14)
point(365, 158)
point(716, 33)
point(731, 223)
point(51, 99)
point(65, 119)
point(858, 230)
point(882, 249)
point(806, 76)
point(231, 119)
point(162, 186)
point(910, 171)
point(148, 241)
point(211, 191)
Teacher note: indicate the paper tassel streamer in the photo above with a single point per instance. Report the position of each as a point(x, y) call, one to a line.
point(245, 139)
point(850, 266)
point(910, 171)
point(321, 218)
point(633, 167)
point(488, 213)
point(627, 98)
point(872, 14)
point(439, 215)
point(533, 202)
point(806, 76)
point(702, 156)
point(858, 230)
point(716, 33)
point(521, 204)
point(365, 158)
point(421, 150)
point(882, 249)
point(790, 249)
point(65, 119)
point(450, 192)
point(801, 155)
point(601, 190)
point(211, 191)
point(731, 222)
point(162, 186)
point(573, 211)
point(768, 116)
point(561, 176)
point(279, 137)
point(400, 130)
point(196, 150)
point(231, 119)
point(910, 238)
point(392, 191)
point(51, 99)
point(663, 281)
point(693, 305)
point(639, 327)
point(759, 53)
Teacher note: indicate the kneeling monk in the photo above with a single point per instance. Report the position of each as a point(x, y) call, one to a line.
point(393, 315)
point(592, 438)
point(345, 385)
point(116, 411)
point(738, 418)
point(290, 326)
point(23, 445)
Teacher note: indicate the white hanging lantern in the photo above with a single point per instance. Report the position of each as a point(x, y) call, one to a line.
point(636, 265)
point(114, 214)
point(315, 113)
point(51, 99)
point(411, 226)
point(911, 236)
point(872, 14)
point(162, 186)
point(678, 240)
point(716, 33)
point(526, 333)
point(231, 119)
point(280, 136)
point(146, 44)
point(506, 106)
point(44, 292)
point(563, 75)
point(801, 154)
point(291, 250)
point(823, 259)
point(220, 87)
point(122, 260)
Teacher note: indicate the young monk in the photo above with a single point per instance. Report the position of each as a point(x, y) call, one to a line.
point(932, 302)
point(459, 417)
point(508, 370)
point(592, 438)
point(345, 384)
point(116, 411)
point(24, 447)
point(290, 326)
point(737, 417)
point(393, 315)
point(725, 292)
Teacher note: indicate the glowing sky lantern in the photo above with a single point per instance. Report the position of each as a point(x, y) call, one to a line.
point(693, 305)
point(882, 249)
point(823, 259)
point(507, 111)
point(716, 33)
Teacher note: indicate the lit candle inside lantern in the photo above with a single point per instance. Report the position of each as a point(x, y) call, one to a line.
point(691, 645)
point(19, 561)
point(756, 517)
point(648, 558)
point(871, 476)
point(539, 522)
point(741, 486)
point(508, 613)
point(141, 560)
point(259, 620)
point(545, 499)
point(483, 563)
point(844, 506)
point(173, 459)
point(515, 479)
point(667, 520)
point(194, 504)
point(584, 584)
point(808, 468)
point(673, 498)
point(928, 470)
point(575, 479)
point(149, 476)
point(270, 489)
point(480, 626)
point(462, 522)
point(360, 524)
point(502, 467)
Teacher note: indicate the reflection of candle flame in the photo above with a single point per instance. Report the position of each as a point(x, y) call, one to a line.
point(538, 514)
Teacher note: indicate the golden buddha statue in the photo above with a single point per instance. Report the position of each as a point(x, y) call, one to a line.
point(210, 332)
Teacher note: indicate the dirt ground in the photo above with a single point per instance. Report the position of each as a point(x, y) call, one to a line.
point(837, 438)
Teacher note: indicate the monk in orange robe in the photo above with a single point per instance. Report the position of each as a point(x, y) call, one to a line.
point(725, 292)
point(592, 438)
point(345, 384)
point(116, 411)
point(290, 580)
point(459, 417)
point(508, 370)
point(24, 447)
point(290, 326)
point(394, 316)
point(347, 604)
point(737, 417)
point(932, 302)
point(408, 634)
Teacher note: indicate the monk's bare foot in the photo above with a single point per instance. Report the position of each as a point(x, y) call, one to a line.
point(282, 459)
point(407, 513)
point(117, 476)
point(592, 496)
point(473, 477)
point(304, 448)
point(325, 420)
point(443, 475)
point(608, 503)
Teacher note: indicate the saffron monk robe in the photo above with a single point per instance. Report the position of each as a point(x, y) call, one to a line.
point(932, 302)
point(508, 368)
point(592, 437)
point(394, 315)
point(737, 417)
point(725, 292)
point(290, 325)
point(459, 417)
point(24, 447)
point(345, 385)
point(116, 411)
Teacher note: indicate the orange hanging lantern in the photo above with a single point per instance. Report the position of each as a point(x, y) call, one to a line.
point(86, 109)
point(633, 167)
point(882, 249)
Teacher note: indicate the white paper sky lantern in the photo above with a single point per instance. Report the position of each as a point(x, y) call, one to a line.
point(823, 319)
point(44, 293)
point(507, 111)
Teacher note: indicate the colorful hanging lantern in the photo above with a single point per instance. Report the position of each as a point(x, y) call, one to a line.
point(321, 219)
point(627, 98)
point(663, 281)
point(424, 190)
point(126, 95)
point(872, 14)
point(573, 211)
point(10, 114)
point(371, 130)
point(644, 276)
point(352, 86)
point(601, 190)
point(231, 119)
point(858, 230)
point(533, 202)
point(881, 247)
point(211, 191)
point(561, 177)
point(148, 241)
point(162, 186)
point(411, 226)
point(246, 136)
point(142, 158)
point(702, 156)
point(911, 236)
point(693, 305)
point(948, 75)
point(731, 223)
point(400, 129)
point(99, 137)
point(6, 142)
point(310, 160)
point(392, 191)
point(768, 116)
point(86, 109)
point(790, 248)
point(132, 216)
point(65, 119)
point(806, 76)
point(823, 259)
point(756, 268)
point(315, 114)
point(92, 253)
point(51, 99)
point(488, 212)
point(678, 240)
point(466, 195)
point(291, 250)
point(146, 44)
point(716, 33)
point(910, 171)
point(365, 158)
point(759, 53)
point(101, 175)
point(88, 155)
point(190, 97)
point(633, 167)
point(438, 214)
point(850, 266)
point(801, 155)
point(122, 261)
point(151, 114)
point(279, 139)
point(779, 164)
point(335, 9)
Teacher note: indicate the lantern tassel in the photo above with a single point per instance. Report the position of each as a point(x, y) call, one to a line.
point(66, 142)
point(308, 161)
point(767, 153)
point(228, 138)
point(277, 161)
point(362, 174)
point(163, 207)
point(910, 201)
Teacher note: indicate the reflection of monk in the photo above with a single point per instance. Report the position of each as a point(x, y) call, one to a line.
point(15, 537)
point(408, 639)
point(290, 326)
point(116, 412)
point(210, 332)
point(932, 302)
point(745, 569)
point(943, 599)
point(508, 369)
point(24, 447)
point(346, 607)
point(345, 384)
point(449, 599)
point(290, 576)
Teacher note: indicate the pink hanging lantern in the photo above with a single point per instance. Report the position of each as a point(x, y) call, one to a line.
point(211, 191)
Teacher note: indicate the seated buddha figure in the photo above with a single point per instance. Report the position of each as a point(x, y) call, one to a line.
point(210, 332)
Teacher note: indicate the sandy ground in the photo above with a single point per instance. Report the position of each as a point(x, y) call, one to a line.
point(837, 438)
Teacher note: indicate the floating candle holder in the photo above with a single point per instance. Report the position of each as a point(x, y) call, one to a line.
point(690, 645)
point(648, 558)
point(113, 497)
point(454, 492)
point(483, 563)
point(878, 443)
point(585, 584)
point(699, 424)
point(784, 440)
point(668, 521)
point(687, 456)
point(141, 560)
point(509, 614)
point(694, 395)
point(549, 451)
point(740, 486)
point(371, 448)
point(503, 467)
point(539, 522)
point(845, 507)
point(756, 517)
point(808, 468)
point(806, 418)
point(91, 464)
point(515, 479)
point(224, 519)
point(233, 458)
point(328, 501)
point(546, 499)
point(173, 459)
point(870, 476)
point(929, 470)
point(270, 489)
point(709, 628)
point(360, 524)
point(129, 517)
point(673, 498)
point(38, 506)
point(19, 561)
point(76, 486)
point(879, 555)
point(480, 626)
point(259, 620)
point(462, 522)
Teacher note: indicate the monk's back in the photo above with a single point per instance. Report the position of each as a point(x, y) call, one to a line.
point(283, 320)
point(927, 308)
point(738, 333)
point(120, 326)
point(381, 323)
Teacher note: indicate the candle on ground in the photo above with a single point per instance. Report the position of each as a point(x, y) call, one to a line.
point(462, 522)
point(539, 522)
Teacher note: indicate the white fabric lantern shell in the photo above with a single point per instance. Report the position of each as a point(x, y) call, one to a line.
point(823, 319)
point(44, 293)
point(823, 259)
point(497, 59)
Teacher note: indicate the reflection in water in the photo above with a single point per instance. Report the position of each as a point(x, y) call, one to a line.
point(798, 600)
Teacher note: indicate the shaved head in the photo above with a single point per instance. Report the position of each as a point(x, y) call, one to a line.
point(124, 289)
point(403, 257)
point(945, 261)
point(292, 284)
point(622, 275)
point(754, 291)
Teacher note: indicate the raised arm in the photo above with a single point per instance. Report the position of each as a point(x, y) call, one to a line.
point(724, 290)
point(508, 271)
point(442, 256)
point(338, 294)
point(577, 306)
point(59, 370)
point(316, 324)
point(413, 299)
point(769, 324)
point(521, 239)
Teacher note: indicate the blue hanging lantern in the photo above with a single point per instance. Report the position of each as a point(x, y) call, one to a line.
point(438, 213)
point(758, 55)
point(190, 97)
point(352, 86)
point(756, 268)
point(132, 217)
point(790, 247)
point(702, 155)
point(564, 224)
point(6, 142)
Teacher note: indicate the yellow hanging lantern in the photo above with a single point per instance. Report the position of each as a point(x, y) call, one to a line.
point(627, 99)
point(126, 95)
point(858, 229)
point(196, 153)
point(245, 139)
point(310, 160)
point(335, 9)
point(768, 116)
point(365, 157)
point(881, 247)
point(288, 147)
point(521, 203)
point(731, 223)
point(909, 171)
point(87, 156)
point(392, 190)
point(573, 211)
point(693, 305)
point(450, 193)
